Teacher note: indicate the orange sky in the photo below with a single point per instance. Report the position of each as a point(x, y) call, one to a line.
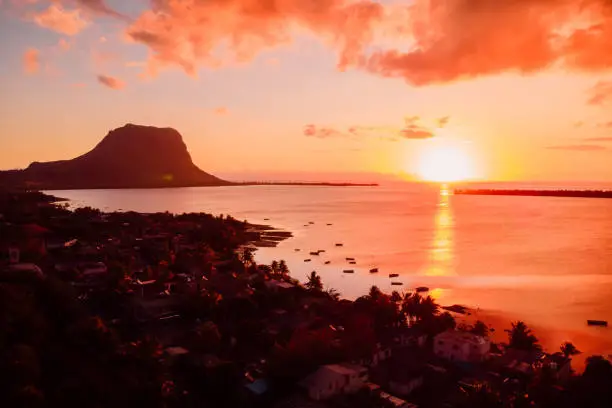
point(290, 86)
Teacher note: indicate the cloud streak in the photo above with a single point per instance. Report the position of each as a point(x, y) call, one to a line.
point(111, 82)
point(411, 130)
point(599, 139)
point(600, 93)
point(578, 147)
point(31, 61)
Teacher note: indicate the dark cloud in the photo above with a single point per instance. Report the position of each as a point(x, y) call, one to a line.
point(100, 7)
point(111, 82)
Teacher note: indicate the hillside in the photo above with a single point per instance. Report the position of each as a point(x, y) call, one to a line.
point(131, 156)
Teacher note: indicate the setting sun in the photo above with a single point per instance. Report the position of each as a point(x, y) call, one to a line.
point(445, 163)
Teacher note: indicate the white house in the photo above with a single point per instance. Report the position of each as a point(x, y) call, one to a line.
point(335, 379)
point(457, 345)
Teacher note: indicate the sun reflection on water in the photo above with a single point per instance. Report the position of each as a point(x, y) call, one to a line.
point(441, 252)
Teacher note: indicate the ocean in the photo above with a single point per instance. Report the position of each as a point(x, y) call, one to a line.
point(544, 260)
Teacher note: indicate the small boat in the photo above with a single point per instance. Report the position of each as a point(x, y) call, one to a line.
point(327, 262)
point(397, 283)
point(305, 225)
point(321, 250)
point(350, 259)
point(352, 263)
point(306, 260)
point(374, 270)
point(603, 323)
point(339, 245)
point(314, 253)
point(297, 249)
point(422, 289)
point(348, 271)
point(329, 225)
point(393, 275)
point(266, 219)
point(311, 222)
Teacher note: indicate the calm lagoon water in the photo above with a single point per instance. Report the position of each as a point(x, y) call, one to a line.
point(544, 260)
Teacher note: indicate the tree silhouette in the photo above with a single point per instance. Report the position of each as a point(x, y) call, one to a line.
point(333, 294)
point(283, 269)
point(520, 337)
point(375, 293)
point(314, 282)
point(480, 329)
point(568, 349)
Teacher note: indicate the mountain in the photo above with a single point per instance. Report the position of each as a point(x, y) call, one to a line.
point(131, 156)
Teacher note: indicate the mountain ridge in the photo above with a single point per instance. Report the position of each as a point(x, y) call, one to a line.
point(131, 156)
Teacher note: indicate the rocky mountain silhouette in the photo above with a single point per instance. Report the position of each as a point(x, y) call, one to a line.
point(132, 156)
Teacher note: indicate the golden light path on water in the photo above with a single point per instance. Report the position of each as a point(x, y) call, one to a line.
point(442, 251)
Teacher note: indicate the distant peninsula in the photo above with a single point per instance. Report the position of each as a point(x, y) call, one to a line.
point(538, 193)
point(132, 156)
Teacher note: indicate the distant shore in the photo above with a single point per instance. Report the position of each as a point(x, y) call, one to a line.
point(538, 193)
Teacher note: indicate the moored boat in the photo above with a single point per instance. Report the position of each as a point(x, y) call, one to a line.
point(327, 262)
point(422, 289)
point(339, 245)
point(348, 271)
point(306, 260)
point(397, 283)
point(374, 270)
point(393, 275)
point(603, 323)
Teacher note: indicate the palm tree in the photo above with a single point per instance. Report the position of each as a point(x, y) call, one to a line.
point(374, 293)
point(396, 297)
point(480, 329)
point(428, 308)
point(274, 266)
point(314, 282)
point(247, 256)
point(568, 349)
point(283, 269)
point(411, 304)
point(520, 337)
point(333, 294)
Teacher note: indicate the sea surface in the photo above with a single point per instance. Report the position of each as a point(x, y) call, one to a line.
point(544, 260)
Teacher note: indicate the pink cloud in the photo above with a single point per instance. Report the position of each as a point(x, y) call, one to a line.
point(31, 61)
point(63, 44)
point(221, 111)
point(111, 82)
point(56, 18)
point(600, 93)
point(190, 34)
point(446, 40)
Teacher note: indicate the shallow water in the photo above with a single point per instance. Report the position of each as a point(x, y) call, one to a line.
point(544, 260)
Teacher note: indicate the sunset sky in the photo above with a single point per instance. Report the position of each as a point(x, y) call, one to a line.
point(284, 87)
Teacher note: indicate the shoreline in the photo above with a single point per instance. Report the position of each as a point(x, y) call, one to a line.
point(537, 193)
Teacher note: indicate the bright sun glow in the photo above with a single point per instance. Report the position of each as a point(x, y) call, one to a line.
point(444, 164)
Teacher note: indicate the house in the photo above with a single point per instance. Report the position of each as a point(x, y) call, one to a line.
point(411, 337)
point(457, 345)
point(405, 386)
point(334, 379)
point(557, 365)
point(380, 354)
